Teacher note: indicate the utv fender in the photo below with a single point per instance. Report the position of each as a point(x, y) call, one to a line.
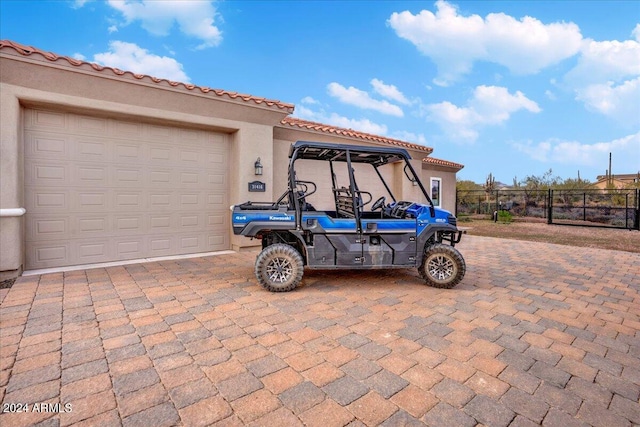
point(428, 235)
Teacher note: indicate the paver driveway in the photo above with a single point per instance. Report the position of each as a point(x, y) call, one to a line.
point(535, 334)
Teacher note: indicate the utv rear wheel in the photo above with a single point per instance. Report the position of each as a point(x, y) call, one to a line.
point(279, 268)
point(442, 266)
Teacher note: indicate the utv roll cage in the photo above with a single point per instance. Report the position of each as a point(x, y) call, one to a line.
point(349, 201)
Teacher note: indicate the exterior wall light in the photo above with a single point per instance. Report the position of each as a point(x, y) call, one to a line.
point(258, 167)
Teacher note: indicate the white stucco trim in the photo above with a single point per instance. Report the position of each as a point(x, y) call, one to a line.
point(12, 212)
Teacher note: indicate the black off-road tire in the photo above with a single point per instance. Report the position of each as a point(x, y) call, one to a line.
point(279, 268)
point(442, 266)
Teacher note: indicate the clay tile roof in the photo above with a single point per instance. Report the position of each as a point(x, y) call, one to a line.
point(440, 162)
point(29, 50)
point(321, 127)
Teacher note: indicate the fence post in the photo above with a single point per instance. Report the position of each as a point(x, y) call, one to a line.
point(637, 205)
point(584, 206)
point(626, 210)
point(550, 207)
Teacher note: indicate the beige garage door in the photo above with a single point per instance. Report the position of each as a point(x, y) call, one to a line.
point(100, 190)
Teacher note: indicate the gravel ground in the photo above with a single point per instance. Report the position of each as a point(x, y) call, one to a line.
point(591, 237)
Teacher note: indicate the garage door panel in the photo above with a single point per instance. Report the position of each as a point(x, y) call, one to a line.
point(47, 254)
point(89, 226)
point(125, 130)
point(100, 190)
point(128, 224)
point(86, 149)
point(160, 155)
point(129, 154)
point(89, 175)
point(128, 176)
point(48, 174)
point(159, 177)
point(213, 220)
point(215, 158)
point(47, 227)
point(162, 245)
point(128, 248)
point(90, 201)
point(94, 250)
point(129, 201)
point(191, 201)
point(217, 242)
point(47, 200)
point(162, 201)
point(50, 146)
point(47, 120)
point(217, 201)
point(190, 242)
point(88, 125)
point(159, 133)
point(191, 221)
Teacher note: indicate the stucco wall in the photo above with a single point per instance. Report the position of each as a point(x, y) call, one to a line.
point(36, 83)
point(448, 186)
point(11, 183)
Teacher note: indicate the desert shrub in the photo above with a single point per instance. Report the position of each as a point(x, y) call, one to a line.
point(505, 217)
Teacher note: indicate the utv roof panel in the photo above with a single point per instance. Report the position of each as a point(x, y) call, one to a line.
point(338, 153)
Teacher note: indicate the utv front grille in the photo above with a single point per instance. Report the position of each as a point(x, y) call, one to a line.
point(453, 220)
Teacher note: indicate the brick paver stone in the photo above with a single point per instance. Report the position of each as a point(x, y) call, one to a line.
point(345, 390)
point(302, 397)
point(536, 334)
point(372, 409)
point(446, 415)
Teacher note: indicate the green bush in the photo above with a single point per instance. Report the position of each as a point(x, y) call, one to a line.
point(505, 217)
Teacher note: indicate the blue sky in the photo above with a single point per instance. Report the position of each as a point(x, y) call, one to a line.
point(512, 88)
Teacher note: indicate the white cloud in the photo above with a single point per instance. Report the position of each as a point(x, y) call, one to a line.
point(490, 105)
point(309, 100)
point(607, 78)
point(626, 149)
point(454, 42)
point(603, 61)
point(77, 4)
point(620, 102)
point(79, 57)
point(389, 91)
point(416, 138)
point(195, 18)
point(362, 125)
point(112, 29)
point(361, 99)
point(131, 57)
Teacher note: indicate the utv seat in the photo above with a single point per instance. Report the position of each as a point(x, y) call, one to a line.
point(344, 203)
point(304, 205)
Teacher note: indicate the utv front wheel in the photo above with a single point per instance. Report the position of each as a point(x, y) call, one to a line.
point(279, 268)
point(442, 266)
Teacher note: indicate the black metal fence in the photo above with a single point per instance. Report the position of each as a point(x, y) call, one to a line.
point(618, 208)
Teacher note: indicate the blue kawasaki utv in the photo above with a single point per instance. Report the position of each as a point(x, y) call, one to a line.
point(355, 233)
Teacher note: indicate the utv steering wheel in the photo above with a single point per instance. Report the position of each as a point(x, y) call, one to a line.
point(378, 204)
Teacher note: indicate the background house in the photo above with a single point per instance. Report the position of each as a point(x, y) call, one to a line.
point(618, 181)
point(103, 165)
